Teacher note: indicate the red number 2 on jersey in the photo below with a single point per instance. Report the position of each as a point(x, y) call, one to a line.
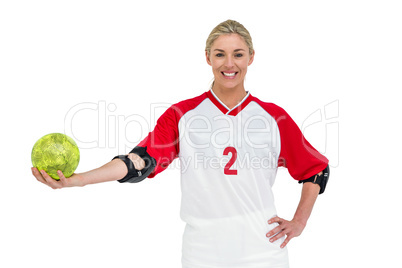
point(227, 170)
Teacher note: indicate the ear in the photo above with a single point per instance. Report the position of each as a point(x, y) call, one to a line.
point(207, 57)
point(251, 58)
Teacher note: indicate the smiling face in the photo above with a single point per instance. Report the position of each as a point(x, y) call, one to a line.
point(229, 57)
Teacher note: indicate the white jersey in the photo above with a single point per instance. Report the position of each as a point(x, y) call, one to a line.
point(229, 159)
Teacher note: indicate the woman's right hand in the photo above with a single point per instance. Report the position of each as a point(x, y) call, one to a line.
point(111, 171)
point(43, 177)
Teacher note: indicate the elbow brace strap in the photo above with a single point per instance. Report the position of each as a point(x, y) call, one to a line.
point(321, 180)
point(134, 175)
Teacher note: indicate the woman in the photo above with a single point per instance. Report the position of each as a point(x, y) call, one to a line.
point(230, 145)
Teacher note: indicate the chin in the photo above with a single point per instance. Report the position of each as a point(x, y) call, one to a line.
point(228, 85)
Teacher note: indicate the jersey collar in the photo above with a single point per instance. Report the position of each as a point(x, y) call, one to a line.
point(224, 109)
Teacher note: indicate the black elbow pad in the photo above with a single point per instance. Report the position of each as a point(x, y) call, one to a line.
point(321, 180)
point(134, 175)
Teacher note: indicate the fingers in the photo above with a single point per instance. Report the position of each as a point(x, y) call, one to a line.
point(44, 178)
point(284, 228)
point(286, 241)
point(279, 228)
point(62, 178)
point(278, 231)
point(275, 233)
point(50, 181)
point(38, 175)
point(275, 219)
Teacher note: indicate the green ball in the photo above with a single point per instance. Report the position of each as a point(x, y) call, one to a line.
point(55, 152)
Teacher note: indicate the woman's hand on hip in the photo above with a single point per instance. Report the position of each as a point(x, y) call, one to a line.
point(291, 229)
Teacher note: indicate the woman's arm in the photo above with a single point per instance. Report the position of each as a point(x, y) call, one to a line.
point(296, 226)
point(111, 171)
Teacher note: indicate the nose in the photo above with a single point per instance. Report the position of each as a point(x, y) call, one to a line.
point(229, 62)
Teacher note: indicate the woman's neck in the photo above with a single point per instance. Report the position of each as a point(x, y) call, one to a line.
point(231, 96)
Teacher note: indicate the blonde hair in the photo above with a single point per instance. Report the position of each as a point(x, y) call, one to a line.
point(229, 27)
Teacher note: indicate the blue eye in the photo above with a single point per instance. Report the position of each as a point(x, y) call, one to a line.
point(239, 55)
point(219, 55)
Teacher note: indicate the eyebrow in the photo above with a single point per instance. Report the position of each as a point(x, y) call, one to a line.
point(236, 50)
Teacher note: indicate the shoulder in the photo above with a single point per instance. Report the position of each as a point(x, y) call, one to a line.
point(274, 110)
point(189, 104)
point(184, 106)
point(177, 110)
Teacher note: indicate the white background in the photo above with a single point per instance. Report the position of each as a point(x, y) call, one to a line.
point(121, 59)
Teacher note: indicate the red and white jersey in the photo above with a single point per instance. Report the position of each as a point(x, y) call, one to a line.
point(229, 160)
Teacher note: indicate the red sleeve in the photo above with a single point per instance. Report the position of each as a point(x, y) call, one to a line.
point(163, 142)
point(300, 158)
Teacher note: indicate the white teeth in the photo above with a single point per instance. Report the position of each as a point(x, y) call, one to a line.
point(229, 74)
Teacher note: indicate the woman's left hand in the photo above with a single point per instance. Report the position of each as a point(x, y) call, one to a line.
point(291, 229)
